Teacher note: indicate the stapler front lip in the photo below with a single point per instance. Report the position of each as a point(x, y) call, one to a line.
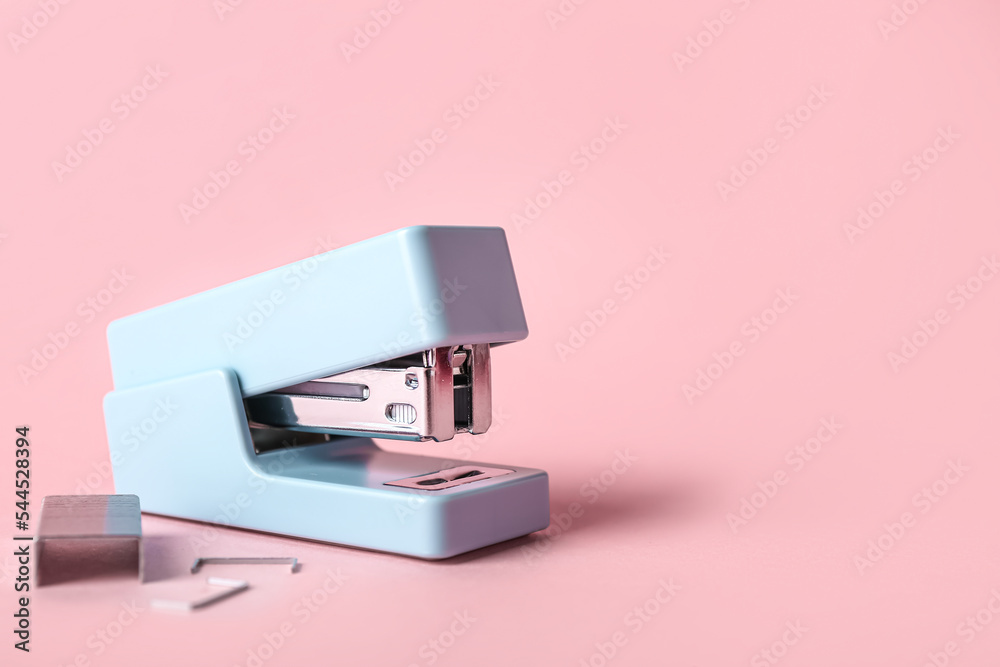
point(427, 396)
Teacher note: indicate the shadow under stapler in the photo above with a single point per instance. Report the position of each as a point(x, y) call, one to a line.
point(574, 513)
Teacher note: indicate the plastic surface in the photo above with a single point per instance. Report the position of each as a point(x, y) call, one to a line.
point(395, 294)
point(177, 428)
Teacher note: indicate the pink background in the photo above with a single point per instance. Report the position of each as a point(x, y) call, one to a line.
point(562, 595)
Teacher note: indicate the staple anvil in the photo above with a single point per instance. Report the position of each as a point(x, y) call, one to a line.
point(276, 384)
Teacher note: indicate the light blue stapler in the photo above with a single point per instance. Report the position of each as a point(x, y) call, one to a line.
point(253, 404)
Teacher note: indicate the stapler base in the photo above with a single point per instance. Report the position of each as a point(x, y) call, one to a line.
point(185, 448)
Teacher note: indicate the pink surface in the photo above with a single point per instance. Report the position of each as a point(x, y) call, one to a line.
point(789, 207)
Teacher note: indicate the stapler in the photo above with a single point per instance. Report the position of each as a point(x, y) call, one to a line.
point(254, 404)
